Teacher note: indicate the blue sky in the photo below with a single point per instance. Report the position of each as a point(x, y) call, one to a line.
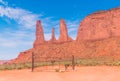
point(18, 18)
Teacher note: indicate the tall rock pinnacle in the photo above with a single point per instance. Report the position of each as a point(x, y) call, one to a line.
point(63, 32)
point(53, 39)
point(39, 34)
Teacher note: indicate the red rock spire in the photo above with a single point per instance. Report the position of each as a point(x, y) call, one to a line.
point(53, 39)
point(39, 34)
point(63, 32)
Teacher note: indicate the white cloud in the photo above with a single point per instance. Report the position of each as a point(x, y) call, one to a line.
point(3, 2)
point(73, 25)
point(13, 39)
point(12, 42)
point(23, 17)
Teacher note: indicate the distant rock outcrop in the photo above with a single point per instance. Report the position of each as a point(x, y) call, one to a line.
point(63, 32)
point(39, 34)
point(100, 25)
point(4, 62)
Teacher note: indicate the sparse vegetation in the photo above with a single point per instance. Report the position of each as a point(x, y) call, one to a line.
point(66, 63)
point(15, 66)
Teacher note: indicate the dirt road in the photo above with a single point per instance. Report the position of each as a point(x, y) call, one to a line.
point(90, 73)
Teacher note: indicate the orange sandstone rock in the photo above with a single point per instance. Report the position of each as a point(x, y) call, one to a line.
point(100, 25)
point(53, 39)
point(63, 32)
point(39, 34)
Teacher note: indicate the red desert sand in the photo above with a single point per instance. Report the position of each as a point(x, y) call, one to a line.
point(88, 73)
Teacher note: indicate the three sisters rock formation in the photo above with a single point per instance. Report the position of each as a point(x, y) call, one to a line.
point(40, 40)
point(98, 36)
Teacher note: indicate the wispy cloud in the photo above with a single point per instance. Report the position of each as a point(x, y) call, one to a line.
point(3, 2)
point(13, 42)
point(11, 38)
point(23, 17)
point(73, 25)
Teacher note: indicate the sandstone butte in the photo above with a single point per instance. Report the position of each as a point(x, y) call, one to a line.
point(98, 36)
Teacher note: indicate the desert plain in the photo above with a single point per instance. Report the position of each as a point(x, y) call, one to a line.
point(82, 73)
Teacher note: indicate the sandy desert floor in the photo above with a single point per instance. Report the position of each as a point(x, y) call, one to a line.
point(83, 73)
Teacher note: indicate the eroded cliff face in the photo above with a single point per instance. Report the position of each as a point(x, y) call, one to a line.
point(100, 25)
point(98, 36)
